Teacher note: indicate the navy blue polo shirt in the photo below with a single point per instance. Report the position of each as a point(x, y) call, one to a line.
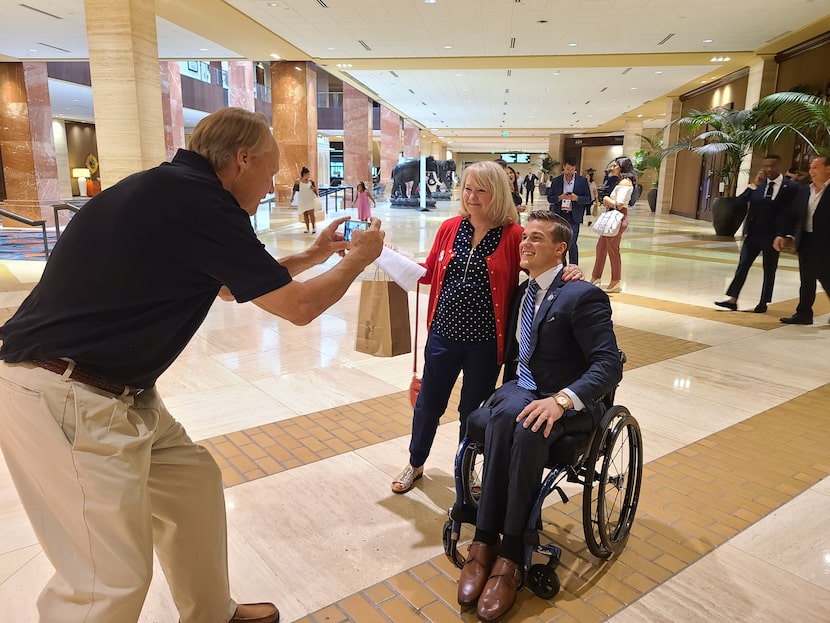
point(135, 272)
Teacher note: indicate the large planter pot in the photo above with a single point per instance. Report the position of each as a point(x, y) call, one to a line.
point(651, 197)
point(727, 216)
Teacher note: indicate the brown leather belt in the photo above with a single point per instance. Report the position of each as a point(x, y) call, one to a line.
point(60, 366)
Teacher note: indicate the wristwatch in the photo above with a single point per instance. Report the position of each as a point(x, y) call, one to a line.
point(563, 401)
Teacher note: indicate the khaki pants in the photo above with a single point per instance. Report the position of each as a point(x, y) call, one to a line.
point(104, 480)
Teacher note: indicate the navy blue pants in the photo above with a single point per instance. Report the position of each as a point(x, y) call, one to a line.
point(753, 245)
point(444, 360)
point(515, 458)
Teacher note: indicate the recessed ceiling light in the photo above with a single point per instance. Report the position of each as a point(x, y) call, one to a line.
point(640, 115)
point(659, 73)
point(275, 56)
point(707, 41)
point(632, 88)
point(203, 49)
point(429, 1)
point(448, 47)
point(32, 50)
point(572, 45)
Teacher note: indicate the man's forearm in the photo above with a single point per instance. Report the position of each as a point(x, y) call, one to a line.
point(299, 262)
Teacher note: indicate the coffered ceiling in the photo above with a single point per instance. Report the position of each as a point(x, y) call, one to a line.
point(479, 74)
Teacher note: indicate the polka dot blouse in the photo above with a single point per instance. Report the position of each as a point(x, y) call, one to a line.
point(465, 305)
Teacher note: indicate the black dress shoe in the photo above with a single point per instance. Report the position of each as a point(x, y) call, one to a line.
point(760, 308)
point(797, 319)
point(727, 305)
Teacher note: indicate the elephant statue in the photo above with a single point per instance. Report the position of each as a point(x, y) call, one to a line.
point(410, 171)
point(446, 170)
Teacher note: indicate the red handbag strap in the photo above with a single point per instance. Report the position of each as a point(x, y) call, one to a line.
point(415, 347)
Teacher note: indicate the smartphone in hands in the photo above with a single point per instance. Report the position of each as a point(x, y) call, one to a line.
point(350, 226)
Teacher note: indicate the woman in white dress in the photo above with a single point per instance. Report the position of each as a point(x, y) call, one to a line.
point(307, 201)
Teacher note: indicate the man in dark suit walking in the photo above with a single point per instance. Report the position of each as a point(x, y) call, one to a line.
point(769, 199)
point(529, 182)
point(562, 359)
point(809, 231)
point(568, 196)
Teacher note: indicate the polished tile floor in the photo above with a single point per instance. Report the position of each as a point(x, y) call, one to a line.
point(734, 517)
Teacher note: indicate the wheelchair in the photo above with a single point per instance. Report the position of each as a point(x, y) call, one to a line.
point(607, 462)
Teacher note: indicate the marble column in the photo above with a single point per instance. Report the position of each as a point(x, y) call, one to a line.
point(357, 137)
point(665, 188)
point(126, 86)
point(241, 84)
point(411, 140)
point(632, 137)
point(62, 158)
point(763, 76)
point(27, 143)
point(294, 114)
point(556, 150)
point(171, 107)
point(391, 145)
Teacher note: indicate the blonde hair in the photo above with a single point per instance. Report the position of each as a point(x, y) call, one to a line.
point(219, 136)
point(492, 178)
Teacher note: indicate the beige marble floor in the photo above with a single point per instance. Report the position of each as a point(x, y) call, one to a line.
point(312, 535)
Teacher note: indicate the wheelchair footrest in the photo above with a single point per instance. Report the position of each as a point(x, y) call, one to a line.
point(552, 552)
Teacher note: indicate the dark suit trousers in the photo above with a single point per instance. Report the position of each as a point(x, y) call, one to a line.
point(529, 190)
point(811, 268)
point(568, 215)
point(444, 360)
point(753, 245)
point(514, 459)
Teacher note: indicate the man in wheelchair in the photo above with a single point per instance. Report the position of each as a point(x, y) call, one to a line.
point(562, 360)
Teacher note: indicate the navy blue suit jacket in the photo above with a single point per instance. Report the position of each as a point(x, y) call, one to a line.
point(767, 218)
point(572, 344)
point(581, 190)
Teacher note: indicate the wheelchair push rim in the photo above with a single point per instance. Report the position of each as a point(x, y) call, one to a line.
point(612, 483)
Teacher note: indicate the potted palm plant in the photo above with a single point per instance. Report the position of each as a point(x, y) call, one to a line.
point(724, 137)
point(546, 165)
point(802, 114)
point(650, 158)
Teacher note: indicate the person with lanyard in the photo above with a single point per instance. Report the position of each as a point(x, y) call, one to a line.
point(472, 270)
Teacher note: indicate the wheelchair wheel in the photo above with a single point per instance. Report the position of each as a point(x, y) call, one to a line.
point(543, 581)
point(472, 471)
point(611, 494)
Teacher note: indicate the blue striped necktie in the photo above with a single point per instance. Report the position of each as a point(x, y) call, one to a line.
point(528, 310)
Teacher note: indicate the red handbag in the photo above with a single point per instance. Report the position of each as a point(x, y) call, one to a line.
point(415, 383)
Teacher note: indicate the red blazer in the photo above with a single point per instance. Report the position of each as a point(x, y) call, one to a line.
point(503, 265)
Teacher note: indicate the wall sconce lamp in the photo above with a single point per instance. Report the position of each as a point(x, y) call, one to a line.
point(82, 174)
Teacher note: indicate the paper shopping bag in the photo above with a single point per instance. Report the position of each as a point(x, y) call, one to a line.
point(383, 320)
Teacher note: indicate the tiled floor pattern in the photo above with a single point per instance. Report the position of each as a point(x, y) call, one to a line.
point(693, 501)
point(744, 318)
point(272, 448)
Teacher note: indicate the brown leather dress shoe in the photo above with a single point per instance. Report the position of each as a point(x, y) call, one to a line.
point(475, 572)
point(256, 613)
point(499, 593)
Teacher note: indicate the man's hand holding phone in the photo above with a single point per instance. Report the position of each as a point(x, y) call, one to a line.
point(365, 241)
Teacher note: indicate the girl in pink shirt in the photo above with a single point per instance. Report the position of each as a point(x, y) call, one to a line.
point(363, 198)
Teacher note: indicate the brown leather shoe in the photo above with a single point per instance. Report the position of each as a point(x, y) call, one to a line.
point(499, 593)
point(256, 613)
point(475, 572)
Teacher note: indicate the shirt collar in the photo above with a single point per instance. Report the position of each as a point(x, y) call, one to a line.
point(546, 278)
